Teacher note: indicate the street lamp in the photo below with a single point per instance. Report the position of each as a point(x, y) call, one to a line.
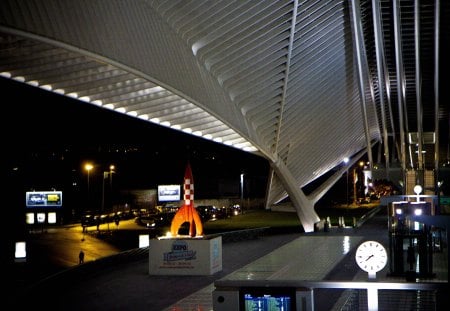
point(346, 174)
point(111, 171)
point(105, 175)
point(88, 167)
point(242, 192)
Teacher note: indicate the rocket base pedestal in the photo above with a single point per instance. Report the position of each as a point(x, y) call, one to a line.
point(185, 256)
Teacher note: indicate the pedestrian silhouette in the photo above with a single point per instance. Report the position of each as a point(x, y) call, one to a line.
point(81, 256)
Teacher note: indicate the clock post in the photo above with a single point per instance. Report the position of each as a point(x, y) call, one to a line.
point(371, 256)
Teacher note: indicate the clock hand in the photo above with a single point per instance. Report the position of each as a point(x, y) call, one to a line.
point(369, 257)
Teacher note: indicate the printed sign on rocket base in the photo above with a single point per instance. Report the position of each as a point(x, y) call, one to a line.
point(185, 256)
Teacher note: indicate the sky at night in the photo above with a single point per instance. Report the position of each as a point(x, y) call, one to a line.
point(38, 125)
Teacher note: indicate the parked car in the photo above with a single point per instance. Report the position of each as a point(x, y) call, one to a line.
point(235, 210)
point(210, 212)
point(148, 221)
point(164, 219)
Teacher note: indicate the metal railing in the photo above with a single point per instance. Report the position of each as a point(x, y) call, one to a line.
point(370, 295)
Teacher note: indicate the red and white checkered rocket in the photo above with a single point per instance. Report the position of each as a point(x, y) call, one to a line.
point(187, 212)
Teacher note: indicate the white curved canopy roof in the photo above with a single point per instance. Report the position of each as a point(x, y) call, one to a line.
point(297, 82)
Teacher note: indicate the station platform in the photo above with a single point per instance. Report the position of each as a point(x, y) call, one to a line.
point(123, 283)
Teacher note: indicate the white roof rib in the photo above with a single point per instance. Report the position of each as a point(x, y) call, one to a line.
point(279, 78)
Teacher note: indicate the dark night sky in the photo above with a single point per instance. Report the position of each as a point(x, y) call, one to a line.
point(40, 128)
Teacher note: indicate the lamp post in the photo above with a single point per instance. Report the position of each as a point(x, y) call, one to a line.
point(242, 191)
point(346, 181)
point(111, 171)
point(105, 176)
point(88, 167)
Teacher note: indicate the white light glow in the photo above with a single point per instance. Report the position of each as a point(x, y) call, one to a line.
point(5, 74)
point(346, 245)
point(73, 94)
point(41, 217)
point(144, 240)
point(21, 250)
point(187, 130)
point(121, 110)
point(218, 139)
point(33, 83)
point(97, 102)
point(176, 127)
point(52, 218)
point(208, 136)
point(418, 212)
point(416, 225)
point(250, 149)
point(143, 116)
point(157, 89)
point(417, 189)
point(59, 91)
point(29, 218)
point(197, 133)
point(109, 106)
point(46, 87)
point(19, 78)
point(155, 120)
point(85, 99)
point(165, 123)
point(399, 211)
point(228, 143)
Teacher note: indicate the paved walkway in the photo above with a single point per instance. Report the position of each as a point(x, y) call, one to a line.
point(122, 282)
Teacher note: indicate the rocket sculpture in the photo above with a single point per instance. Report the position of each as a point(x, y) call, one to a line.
point(187, 212)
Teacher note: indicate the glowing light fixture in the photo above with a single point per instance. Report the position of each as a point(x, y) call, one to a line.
point(46, 87)
point(19, 78)
point(33, 83)
point(21, 250)
point(417, 190)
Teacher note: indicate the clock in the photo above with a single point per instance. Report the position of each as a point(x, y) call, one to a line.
point(371, 256)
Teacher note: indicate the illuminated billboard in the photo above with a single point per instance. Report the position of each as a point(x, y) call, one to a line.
point(169, 193)
point(43, 199)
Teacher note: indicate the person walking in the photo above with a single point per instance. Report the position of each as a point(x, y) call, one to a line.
point(81, 257)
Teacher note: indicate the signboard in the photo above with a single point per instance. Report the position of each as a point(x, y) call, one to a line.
point(43, 199)
point(168, 193)
point(188, 256)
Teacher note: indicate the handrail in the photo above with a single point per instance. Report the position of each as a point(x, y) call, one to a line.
point(332, 284)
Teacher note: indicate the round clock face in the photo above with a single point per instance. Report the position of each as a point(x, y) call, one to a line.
point(371, 256)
